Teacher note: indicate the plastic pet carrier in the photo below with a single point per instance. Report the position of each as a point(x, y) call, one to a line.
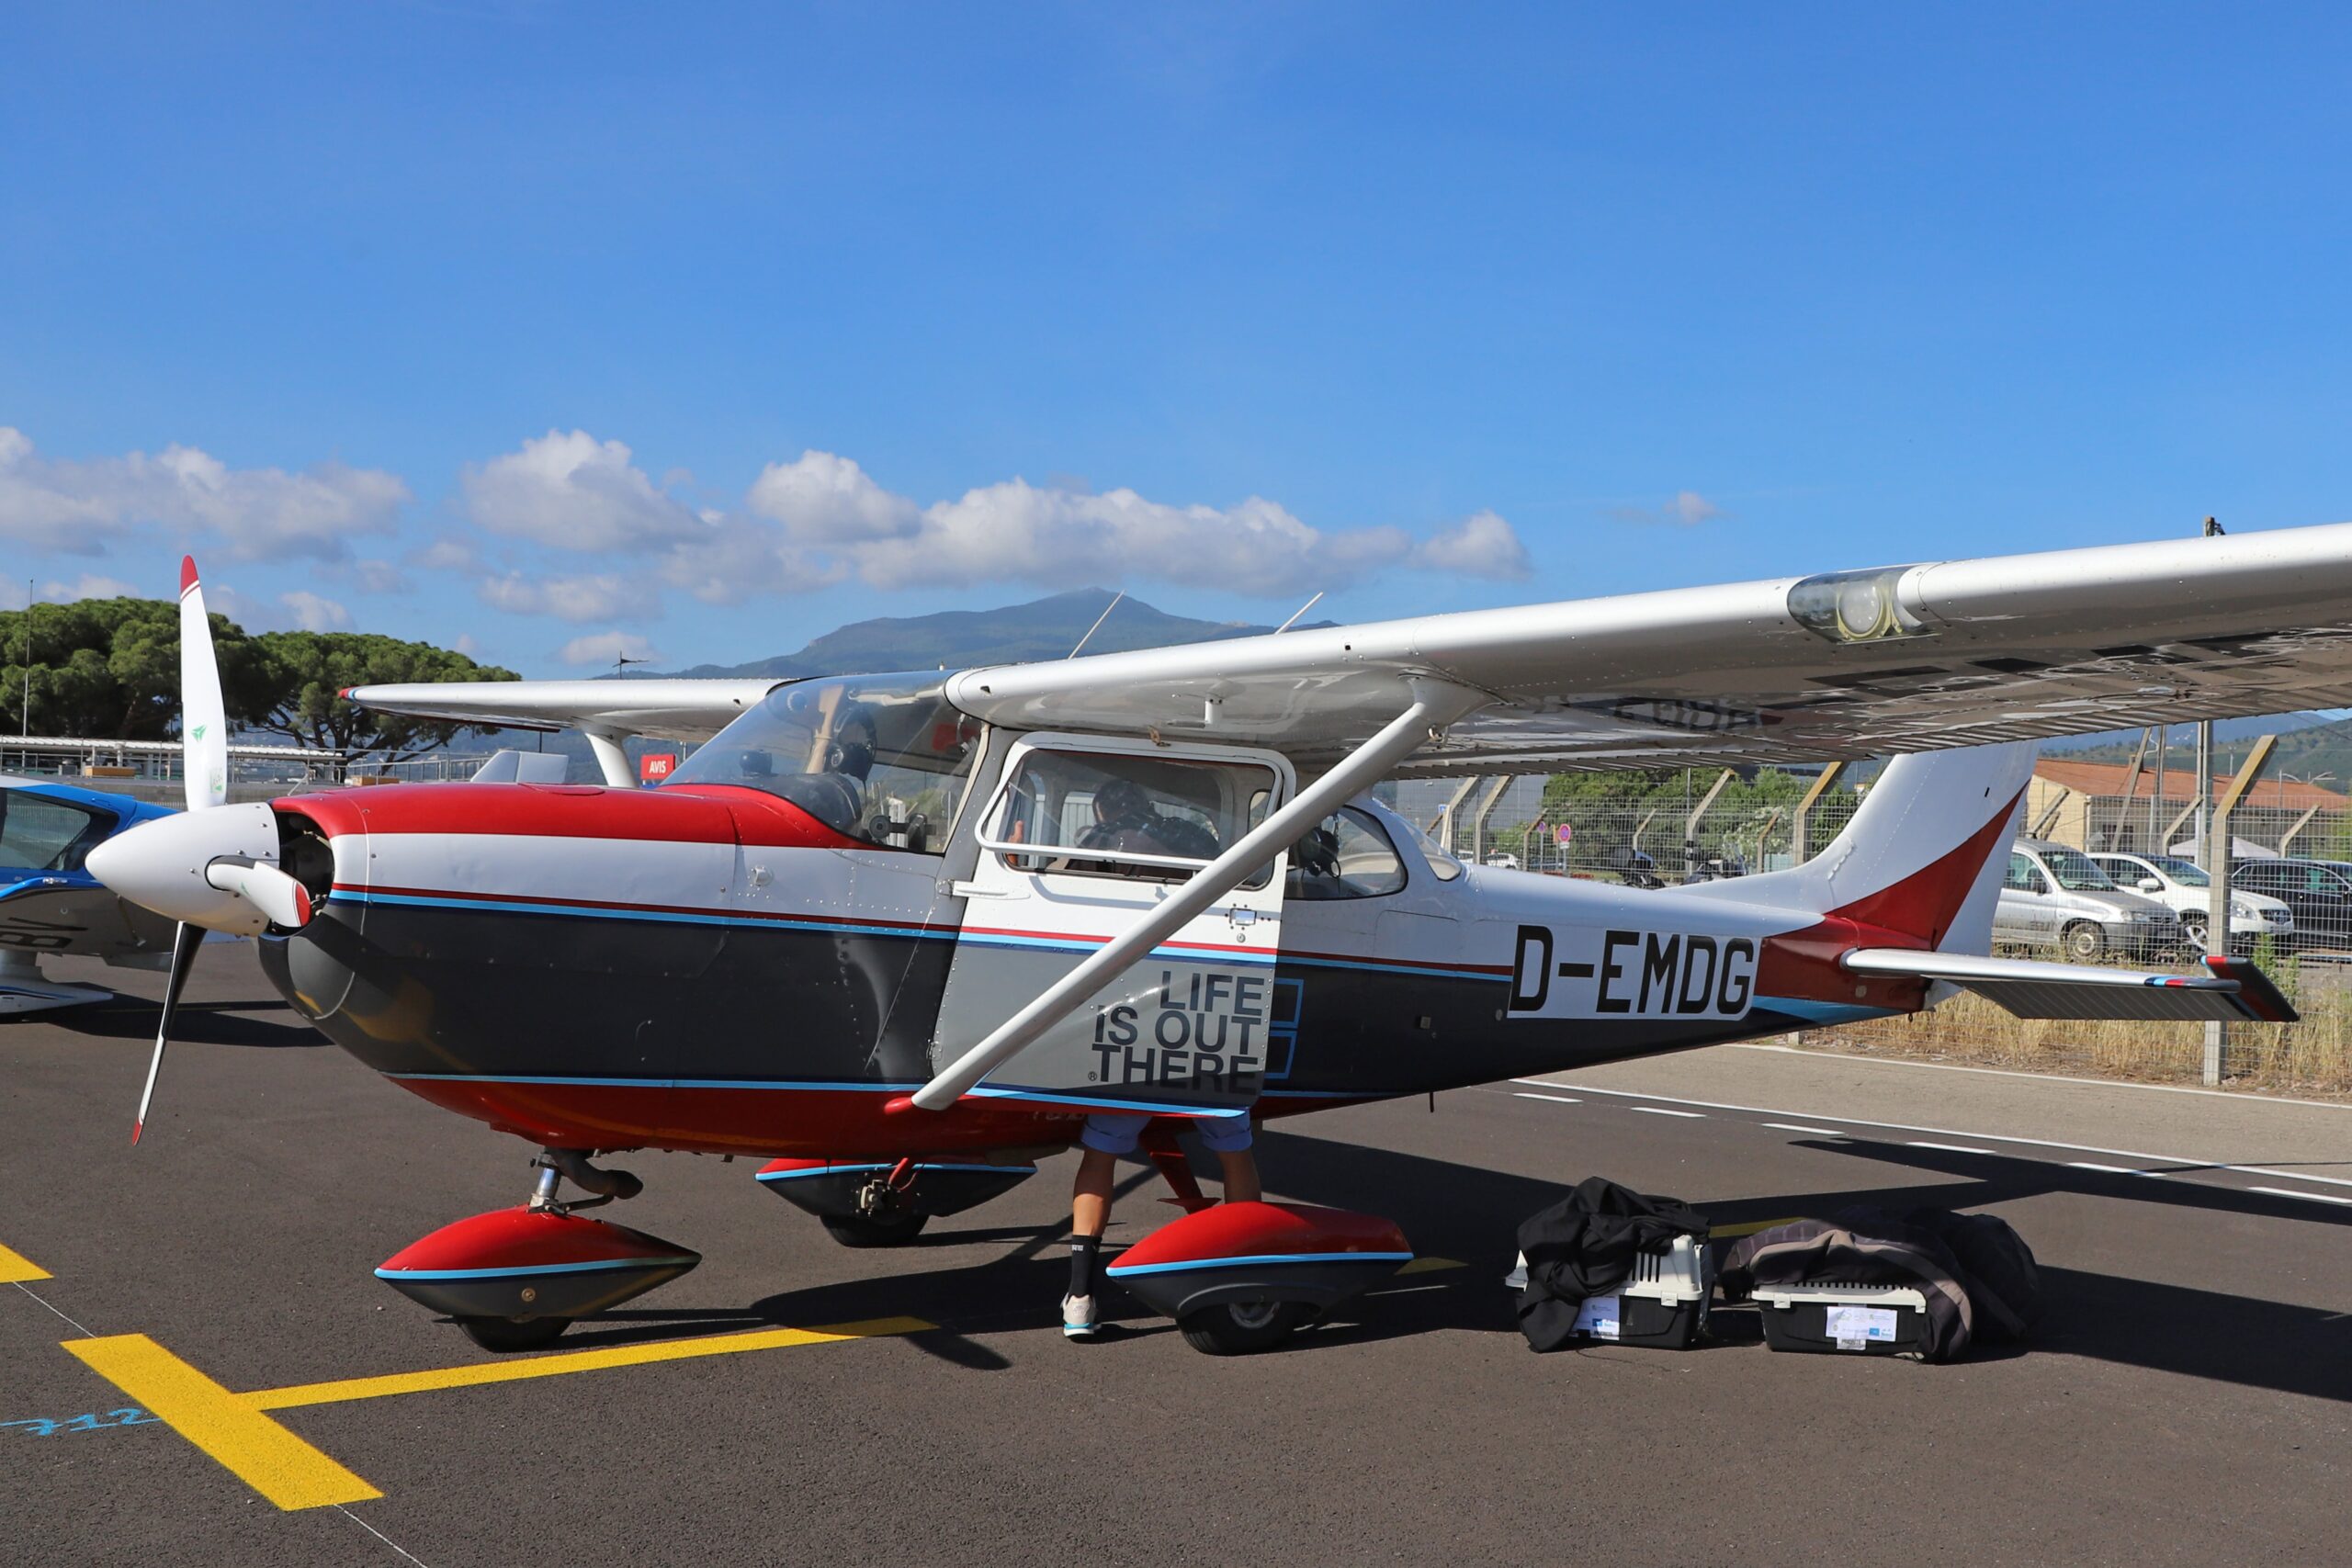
point(1663, 1302)
point(1869, 1320)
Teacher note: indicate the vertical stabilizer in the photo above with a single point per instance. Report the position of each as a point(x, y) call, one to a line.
point(1924, 855)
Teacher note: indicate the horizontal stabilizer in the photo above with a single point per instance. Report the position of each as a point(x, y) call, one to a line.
point(2233, 990)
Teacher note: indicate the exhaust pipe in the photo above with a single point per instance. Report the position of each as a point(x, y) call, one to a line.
point(573, 1164)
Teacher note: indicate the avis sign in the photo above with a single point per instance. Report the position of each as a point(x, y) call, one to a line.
point(1584, 973)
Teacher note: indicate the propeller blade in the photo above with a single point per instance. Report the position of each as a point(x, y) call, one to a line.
point(286, 901)
point(185, 943)
point(204, 717)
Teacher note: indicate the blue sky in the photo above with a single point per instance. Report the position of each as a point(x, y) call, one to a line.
point(708, 329)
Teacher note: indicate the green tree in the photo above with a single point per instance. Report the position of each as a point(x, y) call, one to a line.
point(110, 669)
point(307, 673)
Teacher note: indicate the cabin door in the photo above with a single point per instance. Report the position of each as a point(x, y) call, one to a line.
point(1084, 836)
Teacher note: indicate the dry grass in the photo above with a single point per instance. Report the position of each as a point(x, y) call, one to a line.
point(2312, 1058)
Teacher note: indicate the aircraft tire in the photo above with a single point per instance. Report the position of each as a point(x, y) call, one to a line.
point(1239, 1328)
point(856, 1230)
point(507, 1334)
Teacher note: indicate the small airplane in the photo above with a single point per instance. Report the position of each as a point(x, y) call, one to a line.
point(50, 907)
point(901, 933)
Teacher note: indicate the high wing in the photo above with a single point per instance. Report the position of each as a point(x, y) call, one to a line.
point(678, 709)
point(1791, 670)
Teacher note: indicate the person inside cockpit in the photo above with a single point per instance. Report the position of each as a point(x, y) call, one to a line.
point(1127, 818)
point(836, 796)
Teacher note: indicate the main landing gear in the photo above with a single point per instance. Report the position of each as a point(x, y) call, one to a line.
point(516, 1279)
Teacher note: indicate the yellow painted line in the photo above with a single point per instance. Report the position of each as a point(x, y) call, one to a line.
point(15, 1266)
point(256, 1449)
point(573, 1361)
point(1722, 1233)
point(234, 1430)
point(1430, 1265)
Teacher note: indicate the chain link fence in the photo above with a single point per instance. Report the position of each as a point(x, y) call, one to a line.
point(1657, 829)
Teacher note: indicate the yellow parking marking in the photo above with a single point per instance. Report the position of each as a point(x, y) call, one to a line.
point(573, 1361)
point(236, 1431)
point(1725, 1233)
point(1430, 1265)
point(256, 1449)
point(16, 1267)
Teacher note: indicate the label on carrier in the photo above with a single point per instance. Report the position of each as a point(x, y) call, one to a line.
point(1858, 1328)
point(1598, 1317)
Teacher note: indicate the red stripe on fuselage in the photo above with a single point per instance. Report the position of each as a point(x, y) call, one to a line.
point(557, 904)
point(673, 813)
point(836, 1123)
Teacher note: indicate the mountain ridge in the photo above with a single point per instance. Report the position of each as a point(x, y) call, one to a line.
point(1026, 632)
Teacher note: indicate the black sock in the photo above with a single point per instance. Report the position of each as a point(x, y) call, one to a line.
point(1082, 1252)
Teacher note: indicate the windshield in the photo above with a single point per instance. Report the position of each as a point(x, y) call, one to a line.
point(880, 758)
point(1442, 865)
point(39, 832)
point(2185, 871)
point(2075, 871)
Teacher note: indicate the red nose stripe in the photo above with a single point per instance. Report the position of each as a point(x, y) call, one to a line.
point(670, 815)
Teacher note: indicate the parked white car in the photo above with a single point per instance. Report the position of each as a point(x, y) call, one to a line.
point(2182, 886)
point(2054, 897)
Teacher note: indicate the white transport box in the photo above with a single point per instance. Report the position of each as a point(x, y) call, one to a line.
point(1663, 1302)
point(1874, 1320)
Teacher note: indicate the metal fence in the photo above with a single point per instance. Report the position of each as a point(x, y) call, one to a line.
point(1672, 831)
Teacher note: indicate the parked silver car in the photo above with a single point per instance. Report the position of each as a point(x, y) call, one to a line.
point(2054, 897)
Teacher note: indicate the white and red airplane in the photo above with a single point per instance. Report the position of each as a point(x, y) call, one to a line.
point(903, 932)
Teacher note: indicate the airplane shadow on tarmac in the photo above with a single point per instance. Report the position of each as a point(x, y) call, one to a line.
point(194, 1023)
point(1468, 1213)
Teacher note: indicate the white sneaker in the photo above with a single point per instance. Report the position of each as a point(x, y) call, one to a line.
point(1078, 1320)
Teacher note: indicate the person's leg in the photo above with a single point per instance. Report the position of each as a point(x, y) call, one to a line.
point(1240, 1176)
point(1229, 1137)
point(1089, 1216)
point(1106, 1138)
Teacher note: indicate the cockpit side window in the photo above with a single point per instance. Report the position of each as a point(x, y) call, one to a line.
point(1150, 818)
point(1347, 856)
point(883, 759)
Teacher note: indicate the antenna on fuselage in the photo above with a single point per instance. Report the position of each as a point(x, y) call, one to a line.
point(1096, 627)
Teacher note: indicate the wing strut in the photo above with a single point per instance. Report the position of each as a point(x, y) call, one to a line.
point(1435, 704)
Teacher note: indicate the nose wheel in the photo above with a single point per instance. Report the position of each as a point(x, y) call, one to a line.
point(516, 1279)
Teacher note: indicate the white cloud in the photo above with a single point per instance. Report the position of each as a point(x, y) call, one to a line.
point(603, 647)
point(821, 519)
point(1016, 531)
point(447, 555)
point(467, 644)
point(77, 508)
point(598, 598)
point(379, 577)
point(89, 586)
point(315, 613)
point(1481, 545)
point(822, 499)
point(575, 492)
point(250, 614)
point(740, 558)
point(1688, 509)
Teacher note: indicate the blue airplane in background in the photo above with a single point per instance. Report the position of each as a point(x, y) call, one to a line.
point(50, 907)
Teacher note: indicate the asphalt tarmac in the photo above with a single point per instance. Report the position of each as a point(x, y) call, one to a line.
point(2189, 1399)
